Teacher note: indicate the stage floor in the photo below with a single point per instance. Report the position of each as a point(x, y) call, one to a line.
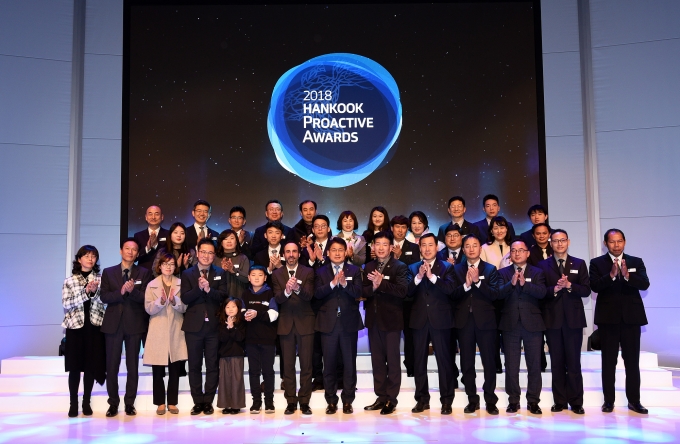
point(660, 426)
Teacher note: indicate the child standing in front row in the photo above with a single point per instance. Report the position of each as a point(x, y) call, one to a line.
point(231, 396)
point(261, 313)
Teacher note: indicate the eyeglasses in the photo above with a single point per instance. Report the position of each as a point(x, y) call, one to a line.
point(520, 251)
point(207, 253)
point(168, 264)
point(320, 227)
point(559, 241)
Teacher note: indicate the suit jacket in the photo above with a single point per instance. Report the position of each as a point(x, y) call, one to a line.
point(483, 226)
point(304, 256)
point(565, 304)
point(128, 308)
point(410, 253)
point(262, 256)
point(618, 301)
point(522, 302)
point(300, 230)
point(142, 237)
point(481, 299)
point(192, 236)
point(467, 228)
point(443, 255)
point(260, 243)
point(384, 306)
point(432, 302)
point(247, 243)
point(198, 302)
point(295, 309)
point(536, 254)
point(338, 300)
point(528, 238)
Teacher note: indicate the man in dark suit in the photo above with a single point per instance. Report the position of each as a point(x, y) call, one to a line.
point(122, 289)
point(273, 211)
point(385, 284)
point(453, 239)
point(431, 284)
point(538, 214)
point(338, 287)
point(408, 253)
point(315, 252)
point(567, 282)
point(199, 229)
point(477, 284)
point(303, 229)
point(456, 210)
point(204, 287)
point(149, 238)
point(618, 278)
point(542, 249)
point(491, 206)
point(522, 288)
point(237, 220)
point(293, 291)
point(271, 257)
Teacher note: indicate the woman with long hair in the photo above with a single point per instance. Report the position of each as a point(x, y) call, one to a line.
point(378, 220)
point(176, 244)
point(231, 395)
point(229, 257)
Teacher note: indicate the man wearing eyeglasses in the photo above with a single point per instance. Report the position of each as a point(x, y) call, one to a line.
point(199, 228)
point(204, 287)
point(456, 210)
point(522, 288)
point(273, 212)
point(315, 253)
point(237, 220)
point(567, 282)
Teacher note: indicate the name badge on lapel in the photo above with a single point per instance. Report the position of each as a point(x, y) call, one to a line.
point(236, 265)
point(138, 281)
point(631, 270)
point(386, 278)
point(408, 253)
point(527, 279)
point(214, 238)
point(573, 271)
point(299, 281)
point(161, 239)
point(217, 278)
point(348, 278)
point(481, 277)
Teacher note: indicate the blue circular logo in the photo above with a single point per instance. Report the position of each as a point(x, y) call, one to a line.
point(333, 119)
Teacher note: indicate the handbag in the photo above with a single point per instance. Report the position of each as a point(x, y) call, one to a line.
point(62, 347)
point(594, 341)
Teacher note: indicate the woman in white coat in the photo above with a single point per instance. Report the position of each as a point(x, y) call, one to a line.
point(165, 343)
point(497, 250)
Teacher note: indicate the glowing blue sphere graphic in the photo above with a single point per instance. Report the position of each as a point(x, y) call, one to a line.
point(333, 119)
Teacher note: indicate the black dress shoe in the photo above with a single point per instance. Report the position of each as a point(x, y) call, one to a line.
point(305, 410)
point(607, 407)
point(512, 408)
point(534, 408)
point(331, 409)
point(389, 408)
point(112, 411)
point(208, 409)
point(578, 409)
point(420, 407)
point(87, 409)
point(471, 407)
point(377, 405)
point(197, 409)
point(557, 407)
point(290, 408)
point(637, 408)
point(130, 410)
point(226, 411)
point(446, 409)
point(347, 408)
point(491, 409)
point(73, 411)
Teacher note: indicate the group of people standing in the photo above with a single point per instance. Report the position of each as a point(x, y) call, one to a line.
point(211, 298)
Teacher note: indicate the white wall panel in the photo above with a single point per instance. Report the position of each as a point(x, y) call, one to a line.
point(39, 340)
point(102, 103)
point(632, 21)
point(107, 240)
point(104, 27)
point(100, 181)
point(36, 28)
point(559, 26)
point(34, 101)
point(566, 178)
point(662, 335)
point(637, 86)
point(639, 172)
point(562, 94)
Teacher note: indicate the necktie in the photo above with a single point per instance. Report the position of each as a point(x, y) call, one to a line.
point(472, 266)
point(561, 266)
point(321, 246)
point(126, 275)
point(545, 253)
point(204, 273)
point(274, 252)
point(337, 269)
point(380, 266)
point(291, 272)
point(519, 270)
point(453, 254)
point(501, 247)
point(201, 233)
point(618, 267)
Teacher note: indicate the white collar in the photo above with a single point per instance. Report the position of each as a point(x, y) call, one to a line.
point(476, 264)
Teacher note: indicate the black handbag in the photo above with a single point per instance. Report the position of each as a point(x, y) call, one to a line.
point(62, 347)
point(594, 341)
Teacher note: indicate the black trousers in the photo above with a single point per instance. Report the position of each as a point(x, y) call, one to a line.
point(385, 359)
point(114, 350)
point(441, 339)
point(158, 372)
point(74, 383)
point(455, 345)
point(203, 344)
point(409, 357)
point(532, 340)
point(565, 364)
point(469, 337)
point(628, 336)
point(261, 362)
point(294, 344)
point(339, 345)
